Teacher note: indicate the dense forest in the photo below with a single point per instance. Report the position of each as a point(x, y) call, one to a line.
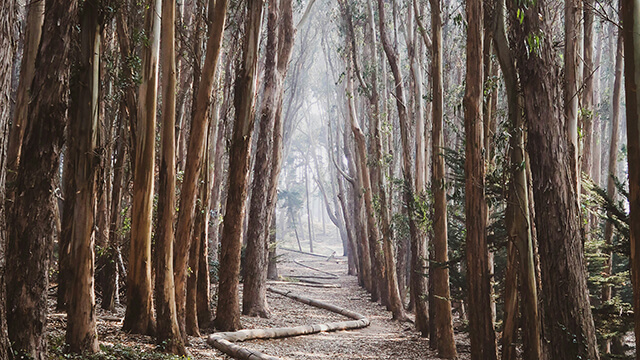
point(473, 164)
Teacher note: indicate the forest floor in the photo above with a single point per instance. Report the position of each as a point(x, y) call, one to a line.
point(383, 339)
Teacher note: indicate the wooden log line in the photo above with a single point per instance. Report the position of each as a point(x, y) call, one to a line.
point(224, 341)
point(333, 276)
point(306, 253)
point(301, 283)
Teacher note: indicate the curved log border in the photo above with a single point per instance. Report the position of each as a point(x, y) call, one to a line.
point(223, 341)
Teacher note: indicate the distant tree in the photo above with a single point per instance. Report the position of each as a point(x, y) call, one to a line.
point(33, 215)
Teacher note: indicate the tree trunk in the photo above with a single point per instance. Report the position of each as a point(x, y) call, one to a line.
point(33, 32)
point(194, 158)
point(567, 312)
point(417, 242)
point(631, 21)
point(8, 16)
point(572, 78)
point(254, 299)
point(588, 111)
point(440, 301)
point(481, 330)
point(139, 315)
point(82, 131)
point(168, 333)
point(33, 215)
point(228, 312)
point(613, 163)
point(109, 285)
point(521, 248)
point(372, 225)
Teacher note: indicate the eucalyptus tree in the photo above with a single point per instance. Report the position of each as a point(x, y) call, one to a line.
point(32, 217)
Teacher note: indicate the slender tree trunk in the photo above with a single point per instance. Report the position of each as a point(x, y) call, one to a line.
point(139, 315)
point(228, 312)
point(567, 312)
point(613, 162)
point(417, 242)
point(378, 182)
point(194, 159)
point(588, 110)
point(168, 333)
point(109, 285)
point(254, 298)
point(572, 78)
point(82, 336)
point(441, 298)
point(631, 23)
point(372, 225)
point(33, 215)
point(481, 330)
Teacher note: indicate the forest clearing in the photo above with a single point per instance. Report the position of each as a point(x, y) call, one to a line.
point(313, 179)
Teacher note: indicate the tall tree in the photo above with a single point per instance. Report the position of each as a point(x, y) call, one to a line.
point(440, 299)
point(567, 313)
point(82, 136)
point(417, 241)
point(572, 78)
point(32, 218)
point(254, 299)
point(195, 153)
point(139, 315)
point(168, 333)
point(517, 219)
point(613, 159)
point(228, 312)
point(8, 15)
point(631, 29)
point(481, 330)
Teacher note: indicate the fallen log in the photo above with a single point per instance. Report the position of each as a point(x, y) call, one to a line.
point(305, 253)
point(302, 283)
point(224, 341)
point(333, 276)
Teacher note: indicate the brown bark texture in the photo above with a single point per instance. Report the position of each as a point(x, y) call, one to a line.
point(567, 313)
point(8, 14)
point(521, 248)
point(631, 26)
point(195, 154)
point(167, 333)
point(139, 314)
point(254, 298)
point(481, 329)
point(228, 311)
point(441, 297)
point(82, 132)
point(33, 215)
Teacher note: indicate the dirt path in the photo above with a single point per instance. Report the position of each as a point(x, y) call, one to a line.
point(383, 339)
